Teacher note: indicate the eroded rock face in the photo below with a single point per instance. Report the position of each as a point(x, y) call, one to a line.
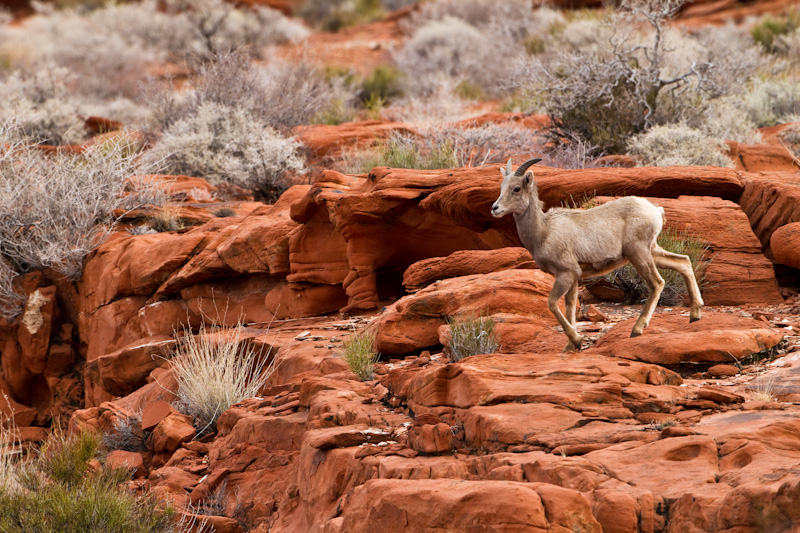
point(785, 245)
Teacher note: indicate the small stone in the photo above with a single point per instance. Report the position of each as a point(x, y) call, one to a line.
point(718, 396)
point(722, 371)
point(595, 315)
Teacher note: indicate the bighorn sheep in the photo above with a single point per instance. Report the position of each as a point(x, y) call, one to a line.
point(581, 243)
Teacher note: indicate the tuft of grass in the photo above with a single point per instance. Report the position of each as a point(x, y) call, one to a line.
point(165, 219)
point(224, 212)
point(63, 489)
point(215, 369)
point(336, 113)
point(470, 335)
point(674, 293)
point(10, 453)
point(765, 389)
point(468, 90)
point(359, 353)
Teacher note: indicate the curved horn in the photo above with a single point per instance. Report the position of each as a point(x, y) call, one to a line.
point(524, 166)
point(508, 166)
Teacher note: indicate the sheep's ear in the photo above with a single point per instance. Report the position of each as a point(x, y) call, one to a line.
point(528, 177)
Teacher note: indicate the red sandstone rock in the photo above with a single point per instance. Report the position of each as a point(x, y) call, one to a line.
point(464, 263)
point(171, 432)
point(154, 413)
point(670, 339)
point(718, 395)
point(722, 371)
point(413, 321)
point(450, 506)
point(326, 140)
point(595, 315)
point(126, 370)
point(132, 461)
point(785, 245)
point(771, 200)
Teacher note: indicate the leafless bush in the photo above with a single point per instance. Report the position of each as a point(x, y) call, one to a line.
point(678, 144)
point(224, 144)
point(279, 94)
point(55, 208)
point(448, 49)
point(606, 94)
point(41, 98)
point(219, 26)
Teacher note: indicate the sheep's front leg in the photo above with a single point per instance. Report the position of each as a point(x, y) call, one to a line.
point(646, 267)
point(564, 282)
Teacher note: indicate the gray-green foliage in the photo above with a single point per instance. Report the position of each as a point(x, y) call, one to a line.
point(225, 144)
point(58, 490)
point(674, 293)
point(677, 144)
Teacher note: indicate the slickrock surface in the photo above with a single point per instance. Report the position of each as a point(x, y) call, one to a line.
point(680, 429)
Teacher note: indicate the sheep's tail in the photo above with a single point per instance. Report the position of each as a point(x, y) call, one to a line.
point(663, 214)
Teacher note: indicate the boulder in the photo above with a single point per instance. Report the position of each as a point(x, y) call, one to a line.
point(785, 245)
point(771, 200)
point(171, 432)
point(132, 461)
point(456, 505)
point(324, 140)
point(413, 321)
point(671, 339)
point(464, 263)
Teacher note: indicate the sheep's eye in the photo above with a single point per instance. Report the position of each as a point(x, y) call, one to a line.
point(516, 189)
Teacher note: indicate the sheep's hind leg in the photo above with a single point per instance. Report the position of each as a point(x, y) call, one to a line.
point(646, 267)
point(564, 282)
point(682, 265)
point(571, 304)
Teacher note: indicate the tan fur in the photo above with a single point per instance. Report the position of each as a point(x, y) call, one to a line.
point(572, 244)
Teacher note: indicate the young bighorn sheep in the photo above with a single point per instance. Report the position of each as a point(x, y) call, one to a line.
point(582, 243)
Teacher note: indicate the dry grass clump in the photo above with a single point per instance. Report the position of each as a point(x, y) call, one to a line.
point(470, 335)
point(61, 488)
point(359, 353)
point(675, 292)
point(215, 369)
point(677, 144)
point(125, 435)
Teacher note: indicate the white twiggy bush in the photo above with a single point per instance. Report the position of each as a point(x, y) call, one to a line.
point(677, 144)
point(55, 208)
point(215, 369)
point(224, 144)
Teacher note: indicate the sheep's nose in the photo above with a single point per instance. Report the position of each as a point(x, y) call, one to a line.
point(494, 208)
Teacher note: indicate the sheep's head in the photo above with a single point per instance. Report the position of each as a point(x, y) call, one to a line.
point(514, 191)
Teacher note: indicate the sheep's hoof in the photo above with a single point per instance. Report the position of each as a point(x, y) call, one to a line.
point(572, 347)
point(694, 319)
point(635, 333)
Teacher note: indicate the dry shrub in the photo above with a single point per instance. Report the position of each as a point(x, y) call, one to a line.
point(678, 144)
point(55, 208)
point(215, 369)
point(224, 144)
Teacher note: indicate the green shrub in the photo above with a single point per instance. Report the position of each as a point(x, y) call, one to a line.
point(359, 353)
point(769, 29)
point(470, 335)
point(60, 490)
point(677, 144)
point(674, 293)
point(383, 83)
point(215, 369)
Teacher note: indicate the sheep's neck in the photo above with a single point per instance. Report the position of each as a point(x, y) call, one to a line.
point(530, 224)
